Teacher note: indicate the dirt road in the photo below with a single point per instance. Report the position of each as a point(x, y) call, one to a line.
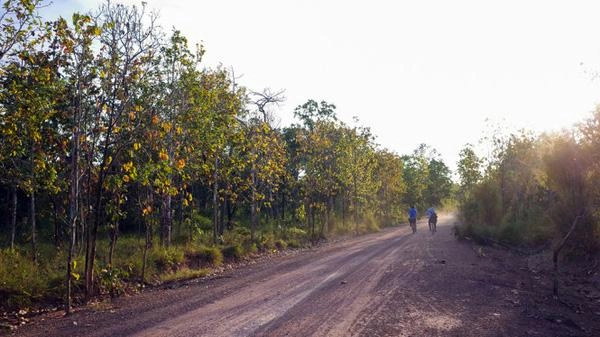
point(387, 284)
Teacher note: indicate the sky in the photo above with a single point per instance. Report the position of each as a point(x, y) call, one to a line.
point(427, 71)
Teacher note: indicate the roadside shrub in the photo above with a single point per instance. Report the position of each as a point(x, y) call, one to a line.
point(204, 256)
point(294, 244)
point(236, 236)
point(267, 241)
point(234, 252)
point(111, 281)
point(371, 224)
point(281, 244)
point(168, 259)
point(250, 248)
point(295, 233)
point(183, 274)
point(19, 279)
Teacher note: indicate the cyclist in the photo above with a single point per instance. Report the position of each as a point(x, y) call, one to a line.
point(412, 218)
point(432, 219)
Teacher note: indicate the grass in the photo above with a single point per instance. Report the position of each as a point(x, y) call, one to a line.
point(27, 284)
point(183, 274)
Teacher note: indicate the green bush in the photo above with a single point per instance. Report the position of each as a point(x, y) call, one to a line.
point(267, 241)
point(371, 224)
point(167, 259)
point(281, 244)
point(111, 280)
point(294, 244)
point(236, 236)
point(23, 283)
point(295, 233)
point(234, 252)
point(250, 248)
point(204, 256)
point(183, 274)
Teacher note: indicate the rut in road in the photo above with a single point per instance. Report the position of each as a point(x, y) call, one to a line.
point(322, 297)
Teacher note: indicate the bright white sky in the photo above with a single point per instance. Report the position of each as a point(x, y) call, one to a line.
point(414, 71)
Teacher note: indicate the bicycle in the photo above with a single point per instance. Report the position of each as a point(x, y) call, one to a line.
point(413, 224)
point(433, 223)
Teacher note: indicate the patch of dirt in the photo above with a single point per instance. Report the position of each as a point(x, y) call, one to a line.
point(391, 283)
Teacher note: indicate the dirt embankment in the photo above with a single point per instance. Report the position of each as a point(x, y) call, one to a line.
point(387, 284)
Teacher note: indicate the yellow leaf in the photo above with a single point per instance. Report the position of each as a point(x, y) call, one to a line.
point(163, 155)
point(127, 166)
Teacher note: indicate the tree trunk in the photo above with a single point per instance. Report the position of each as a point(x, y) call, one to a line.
point(13, 217)
point(330, 207)
point(222, 216)
point(253, 208)
point(82, 227)
point(33, 226)
point(343, 212)
point(283, 203)
point(55, 220)
point(166, 219)
point(355, 203)
point(146, 247)
point(230, 212)
point(215, 200)
point(73, 212)
point(114, 235)
point(91, 239)
point(312, 220)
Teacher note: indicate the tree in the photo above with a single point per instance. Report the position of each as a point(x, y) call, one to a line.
point(128, 43)
point(439, 183)
point(469, 170)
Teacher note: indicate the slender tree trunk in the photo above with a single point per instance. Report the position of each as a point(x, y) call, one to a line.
point(312, 220)
point(148, 238)
point(13, 217)
point(55, 220)
point(73, 212)
point(355, 202)
point(91, 239)
point(330, 207)
point(230, 212)
point(147, 246)
point(82, 227)
point(167, 219)
point(114, 235)
point(253, 208)
point(33, 226)
point(283, 203)
point(343, 212)
point(32, 211)
point(215, 200)
point(222, 215)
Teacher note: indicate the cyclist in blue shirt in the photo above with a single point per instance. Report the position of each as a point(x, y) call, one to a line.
point(412, 218)
point(432, 219)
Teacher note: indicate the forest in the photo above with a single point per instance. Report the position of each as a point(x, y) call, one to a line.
point(126, 162)
point(534, 190)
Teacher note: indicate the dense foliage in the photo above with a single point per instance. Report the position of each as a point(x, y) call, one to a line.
point(124, 159)
point(530, 189)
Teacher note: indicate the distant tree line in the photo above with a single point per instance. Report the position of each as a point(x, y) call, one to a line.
point(530, 189)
